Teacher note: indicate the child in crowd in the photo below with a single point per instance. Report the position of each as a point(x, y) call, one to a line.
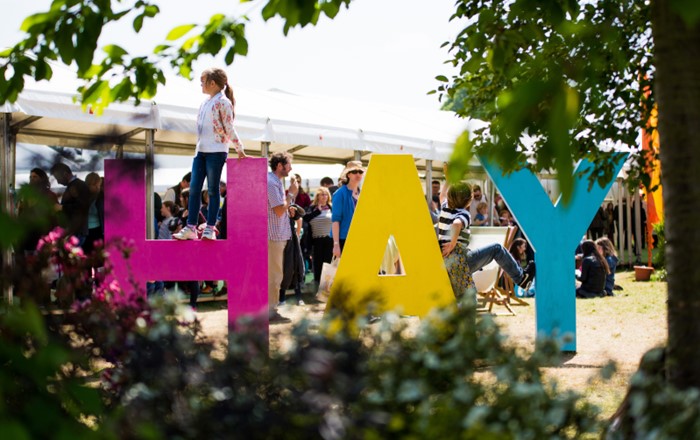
point(460, 261)
point(606, 248)
point(482, 214)
point(215, 135)
point(594, 270)
point(169, 210)
point(506, 218)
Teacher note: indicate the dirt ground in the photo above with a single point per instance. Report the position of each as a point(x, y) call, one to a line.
point(621, 328)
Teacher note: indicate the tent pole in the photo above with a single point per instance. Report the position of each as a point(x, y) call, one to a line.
point(150, 163)
point(5, 184)
point(620, 226)
point(628, 232)
point(492, 194)
point(358, 155)
point(637, 226)
point(428, 181)
point(265, 149)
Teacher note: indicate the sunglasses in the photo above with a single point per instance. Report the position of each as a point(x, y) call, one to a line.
point(356, 172)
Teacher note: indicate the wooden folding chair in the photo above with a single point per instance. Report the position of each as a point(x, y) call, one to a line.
point(486, 279)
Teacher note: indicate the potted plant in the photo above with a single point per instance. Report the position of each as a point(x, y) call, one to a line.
point(643, 273)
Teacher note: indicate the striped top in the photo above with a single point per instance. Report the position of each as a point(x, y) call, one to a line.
point(447, 217)
point(278, 228)
point(321, 224)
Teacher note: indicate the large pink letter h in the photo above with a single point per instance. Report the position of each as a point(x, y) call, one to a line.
point(241, 260)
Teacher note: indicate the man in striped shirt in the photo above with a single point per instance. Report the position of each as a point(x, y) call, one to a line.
point(278, 227)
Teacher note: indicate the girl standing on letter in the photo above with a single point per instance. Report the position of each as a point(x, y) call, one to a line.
point(215, 135)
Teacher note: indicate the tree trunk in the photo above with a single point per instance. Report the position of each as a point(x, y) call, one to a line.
point(677, 61)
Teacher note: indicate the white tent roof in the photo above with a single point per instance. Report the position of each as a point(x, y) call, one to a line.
point(316, 129)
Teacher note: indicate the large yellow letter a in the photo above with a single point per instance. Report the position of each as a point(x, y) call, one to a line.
point(392, 204)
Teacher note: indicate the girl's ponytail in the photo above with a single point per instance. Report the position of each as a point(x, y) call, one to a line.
point(229, 94)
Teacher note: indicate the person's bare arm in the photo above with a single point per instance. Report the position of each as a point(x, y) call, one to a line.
point(335, 228)
point(447, 248)
point(291, 194)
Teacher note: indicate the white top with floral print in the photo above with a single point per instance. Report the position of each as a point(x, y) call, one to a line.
point(215, 131)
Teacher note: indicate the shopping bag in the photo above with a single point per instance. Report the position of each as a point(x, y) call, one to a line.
point(327, 277)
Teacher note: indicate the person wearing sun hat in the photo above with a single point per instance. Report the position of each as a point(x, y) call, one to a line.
point(344, 202)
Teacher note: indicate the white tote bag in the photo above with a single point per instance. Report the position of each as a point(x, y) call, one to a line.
point(327, 277)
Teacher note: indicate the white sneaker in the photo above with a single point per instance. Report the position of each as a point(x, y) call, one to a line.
point(301, 302)
point(186, 233)
point(209, 234)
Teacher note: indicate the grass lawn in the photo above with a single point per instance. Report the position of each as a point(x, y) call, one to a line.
point(619, 329)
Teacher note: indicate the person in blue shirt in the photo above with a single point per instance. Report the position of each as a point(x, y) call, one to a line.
point(344, 203)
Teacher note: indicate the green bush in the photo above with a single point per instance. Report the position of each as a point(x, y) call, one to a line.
point(660, 232)
point(455, 379)
point(115, 367)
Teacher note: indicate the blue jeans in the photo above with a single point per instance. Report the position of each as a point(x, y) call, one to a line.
point(207, 165)
point(478, 258)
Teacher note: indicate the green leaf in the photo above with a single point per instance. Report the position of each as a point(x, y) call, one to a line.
point(191, 42)
point(64, 44)
point(87, 41)
point(230, 54)
point(42, 71)
point(331, 9)
point(151, 10)
point(241, 47)
point(35, 20)
point(138, 23)
point(179, 31)
point(114, 51)
point(213, 44)
point(461, 156)
point(161, 48)
point(185, 71)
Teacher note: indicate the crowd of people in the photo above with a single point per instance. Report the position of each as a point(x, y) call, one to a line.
point(79, 211)
point(305, 233)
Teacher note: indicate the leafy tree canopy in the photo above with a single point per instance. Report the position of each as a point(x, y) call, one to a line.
point(69, 31)
point(555, 81)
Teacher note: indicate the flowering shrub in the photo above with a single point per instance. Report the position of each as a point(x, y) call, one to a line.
point(62, 254)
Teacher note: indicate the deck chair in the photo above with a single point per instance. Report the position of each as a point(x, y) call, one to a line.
point(486, 279)
point(507, 288)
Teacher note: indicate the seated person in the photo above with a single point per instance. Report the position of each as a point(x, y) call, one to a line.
point(594, 269)
point(606, 248)
point(460, 260)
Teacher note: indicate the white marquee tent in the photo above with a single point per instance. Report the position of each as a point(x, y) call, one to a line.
point(316, 129)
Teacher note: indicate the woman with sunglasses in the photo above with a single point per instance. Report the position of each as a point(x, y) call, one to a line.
point(344, 202)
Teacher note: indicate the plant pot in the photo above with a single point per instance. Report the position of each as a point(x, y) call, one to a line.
point(643, 273)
